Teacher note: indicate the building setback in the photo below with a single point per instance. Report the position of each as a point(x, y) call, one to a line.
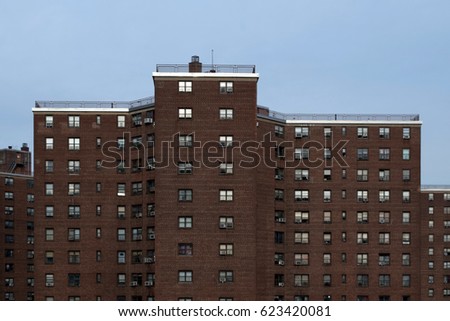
point(199, 193)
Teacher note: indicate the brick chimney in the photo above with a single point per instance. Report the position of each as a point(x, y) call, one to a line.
point(195, 65)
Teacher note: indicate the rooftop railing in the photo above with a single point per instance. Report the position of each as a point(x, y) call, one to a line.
point(435, 187)
point(208, 68)
point(345, 117)
point(96, 104)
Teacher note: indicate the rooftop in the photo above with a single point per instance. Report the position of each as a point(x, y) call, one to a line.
point(107, 105)
point(299, 117)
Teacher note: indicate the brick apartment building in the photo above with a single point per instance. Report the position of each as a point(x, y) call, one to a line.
point(199, 193)
point(16, 224)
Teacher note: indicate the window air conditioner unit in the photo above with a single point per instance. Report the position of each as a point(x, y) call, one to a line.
point(281, 220)
point(223, 225)
point(298, 262)
point(222, 280)
point(133, 283)
point(151, 237)
point(280, 262)
point(138, 214)
point(48, 284)
point(137, 122)
point(121, 215)
point(148, 283)
point(148, 260)
point(151, 213)
point(280, 284)
point(148, 120)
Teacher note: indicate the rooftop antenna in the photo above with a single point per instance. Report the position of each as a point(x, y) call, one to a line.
point(212, 61)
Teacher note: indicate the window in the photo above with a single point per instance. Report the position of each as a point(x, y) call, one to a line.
point(120, 143)
point(73, 121)
point(226, 141)
point(185, 140)
point(184, 113)
point(301, 195)
point(49, 234)
point(362, 238)
point(185, 86)
point(327, 132)
point(48, 189)
point(362, 217)
point(363, 132)
point(384, 238)
point(73, 257)
point(73, 166)
point(279, 237)
point(226, 249)
point(301, 217)
point(362, 280)
point(301, 175)
point(362, 154)
point(383, 196)
point(362, 175)
point(74, 279)
point(49, 280)
point(226, 222)
point(406, 238)
point(121, 257)
point(406, 133)
point(226, 195)
point(136, 188)
point(279, 131)
point(301, 280)
point(226, 87)
point(301, 259)
point(121, 279)
point(73, 234)
point(136, 234)
point(327, 174)
point(301, 132)
point(327, 238)
point(184, 276)
point(185, 222)
point(446, 196)
point(74, 143)
point(9, 195)
point(301, 237)
point(406, 217)
point(279, 194)
point(384, 175)
point(49, 143)
point(406, 175)
point(49, 211)
point(49, 121)
point(406, 259)
point(49, 255)
point(74, 211)
point(406, 196)
point(327, 217)
point(384, 259)
point(226, 113)
point(120, 121)
point(384, 133)
point(49, 166)
point(406, 154)
point(327, 196)
point(384, 280)
point(301, 153)
point(362, 259)
point(121, 234)
point(384, 153)
point(185, 195)
point(184, 168)
point(98, 119)
point(225, 276)
point(362, 196)
point(384, 217)
point(185, 249)
point(73, 189)
point(121, 189)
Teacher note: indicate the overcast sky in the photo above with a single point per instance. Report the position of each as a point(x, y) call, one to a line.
point(313, 56)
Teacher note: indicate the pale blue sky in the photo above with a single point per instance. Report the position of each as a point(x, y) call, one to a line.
point(313, 56)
